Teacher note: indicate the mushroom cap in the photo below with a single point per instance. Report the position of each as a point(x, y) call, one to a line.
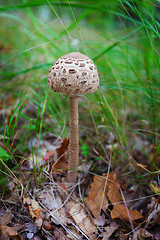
point(73, 75)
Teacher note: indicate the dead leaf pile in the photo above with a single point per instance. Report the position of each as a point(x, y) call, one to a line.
point(52, 208)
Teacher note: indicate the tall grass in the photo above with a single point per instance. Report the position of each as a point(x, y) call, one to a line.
point(122, 37)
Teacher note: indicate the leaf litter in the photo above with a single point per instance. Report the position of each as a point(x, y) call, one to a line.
point(51, 212)
point(111, 189)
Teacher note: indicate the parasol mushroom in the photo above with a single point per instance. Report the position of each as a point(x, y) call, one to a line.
point(74, 75)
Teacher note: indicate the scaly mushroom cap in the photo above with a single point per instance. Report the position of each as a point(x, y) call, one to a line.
point(74, 74)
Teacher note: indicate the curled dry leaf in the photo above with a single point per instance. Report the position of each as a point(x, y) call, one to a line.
point(34, 209)
point(82, 219)
point(97, 198)
point(61, 165)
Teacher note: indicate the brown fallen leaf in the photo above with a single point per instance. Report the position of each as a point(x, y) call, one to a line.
point(10, 232)
point(82, 219)
point(61, 165)
point(6, 218)
point(113, 191)
point(119, 211)
point(97, 198)
point(100, 190)
point(34, 209)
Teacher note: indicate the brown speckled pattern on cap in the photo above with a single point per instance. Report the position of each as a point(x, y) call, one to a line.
point(74, 74)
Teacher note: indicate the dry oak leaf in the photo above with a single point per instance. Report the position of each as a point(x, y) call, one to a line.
point(120, 211)
point(61, 165)
point(82, 219)
point(97, 198)
point(113, 188)
point(109, 187)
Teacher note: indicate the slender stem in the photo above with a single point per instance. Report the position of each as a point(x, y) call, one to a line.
point(73, 139)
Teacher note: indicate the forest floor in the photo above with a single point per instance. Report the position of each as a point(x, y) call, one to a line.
point(114, 198)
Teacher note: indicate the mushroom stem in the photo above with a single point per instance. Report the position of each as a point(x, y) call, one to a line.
point(73, 139)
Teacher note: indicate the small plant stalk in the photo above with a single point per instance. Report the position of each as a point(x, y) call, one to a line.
point(73, 139)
